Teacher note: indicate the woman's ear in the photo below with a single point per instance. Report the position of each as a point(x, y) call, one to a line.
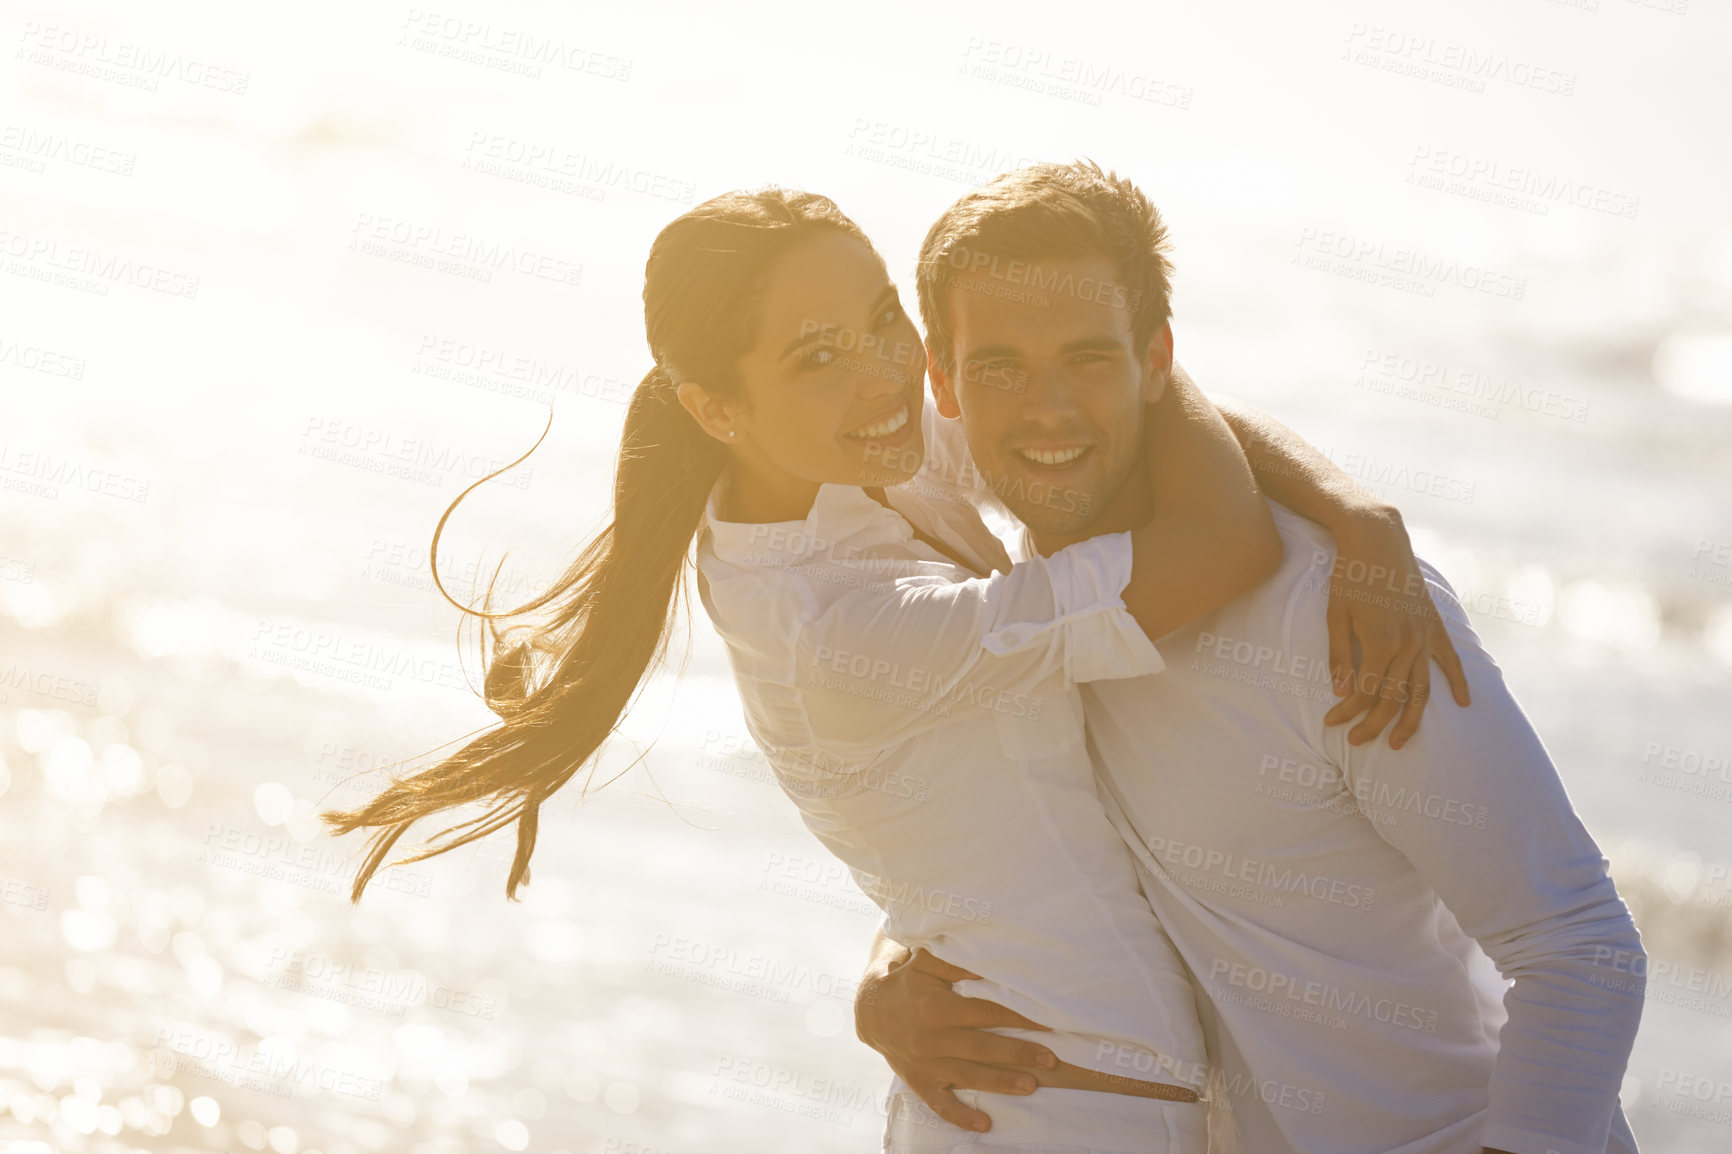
point(1158, 364)
point(713, 415)
point(943, 388)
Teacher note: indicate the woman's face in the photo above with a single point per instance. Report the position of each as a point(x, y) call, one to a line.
point(834, 386)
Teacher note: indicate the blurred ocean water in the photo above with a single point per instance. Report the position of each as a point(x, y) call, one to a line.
point(276, 289)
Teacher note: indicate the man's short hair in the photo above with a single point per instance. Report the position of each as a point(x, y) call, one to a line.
point(1047, 212)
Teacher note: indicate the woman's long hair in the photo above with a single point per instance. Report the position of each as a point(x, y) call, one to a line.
point(560, 684)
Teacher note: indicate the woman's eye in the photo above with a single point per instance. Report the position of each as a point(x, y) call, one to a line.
point(891, 314)
point(820, 358)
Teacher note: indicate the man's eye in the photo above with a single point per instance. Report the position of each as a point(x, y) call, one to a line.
point(891, 314)
point(819, 358)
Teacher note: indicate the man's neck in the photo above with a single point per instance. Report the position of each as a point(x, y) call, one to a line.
point(1130, 508)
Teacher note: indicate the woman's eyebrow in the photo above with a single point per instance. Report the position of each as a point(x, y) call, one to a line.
point(888, 294)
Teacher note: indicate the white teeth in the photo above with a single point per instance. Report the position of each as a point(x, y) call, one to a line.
point(1051, 456)
point(883, 428)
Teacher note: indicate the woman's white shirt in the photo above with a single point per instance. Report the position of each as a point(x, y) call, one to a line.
point(926, 721)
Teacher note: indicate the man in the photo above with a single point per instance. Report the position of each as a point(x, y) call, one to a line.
point(1345, 908)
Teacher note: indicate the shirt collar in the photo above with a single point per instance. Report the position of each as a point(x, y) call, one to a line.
point(841, 516)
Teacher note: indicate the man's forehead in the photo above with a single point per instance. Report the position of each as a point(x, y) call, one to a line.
point(1015, 300)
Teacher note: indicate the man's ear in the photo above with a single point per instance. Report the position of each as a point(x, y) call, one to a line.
point(943, 388)
point(713, 415)
point(1158, 364)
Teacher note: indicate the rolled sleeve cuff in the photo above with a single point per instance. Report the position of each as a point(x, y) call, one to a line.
point(1100, 639)
point(1501, 1136)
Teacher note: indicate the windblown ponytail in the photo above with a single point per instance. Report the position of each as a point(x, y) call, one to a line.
point(561, 684)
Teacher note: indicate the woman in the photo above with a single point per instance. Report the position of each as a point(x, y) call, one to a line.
point(868, 640)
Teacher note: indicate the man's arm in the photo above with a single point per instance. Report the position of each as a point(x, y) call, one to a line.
point(1509, 857)
point(936, 1039)
point(1210, 537)
point(1376, 593)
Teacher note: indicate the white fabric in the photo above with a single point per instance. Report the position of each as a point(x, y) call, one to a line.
point(926, 722)
point(1337, 904)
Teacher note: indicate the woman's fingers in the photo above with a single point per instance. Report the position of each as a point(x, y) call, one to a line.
point(1408, 722)
point(946, 1008)
point(939, 968)
point(1374, 663)
point(946, 1105)
point(1394, 693)
point(960, 1075)
point(971, 1045)
point(1443, 651)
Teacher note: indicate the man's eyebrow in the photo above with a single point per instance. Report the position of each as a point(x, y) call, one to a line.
point(1102, 342)
point(985, 351)
point(800, 342)
point(1095, 344)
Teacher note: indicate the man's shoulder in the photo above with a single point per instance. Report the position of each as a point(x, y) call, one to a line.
point(1272, 608)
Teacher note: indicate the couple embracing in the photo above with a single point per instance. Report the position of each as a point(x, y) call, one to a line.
point(1169, 886)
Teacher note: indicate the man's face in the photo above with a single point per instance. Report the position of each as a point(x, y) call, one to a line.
point(1050, 385)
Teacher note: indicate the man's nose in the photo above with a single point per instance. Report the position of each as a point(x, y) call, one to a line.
point(1047, 395)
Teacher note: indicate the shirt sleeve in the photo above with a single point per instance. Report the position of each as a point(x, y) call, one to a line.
point(1535, 892)
point(881, 664)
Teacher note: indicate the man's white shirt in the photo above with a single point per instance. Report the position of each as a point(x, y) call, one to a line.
point(1346, 909)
